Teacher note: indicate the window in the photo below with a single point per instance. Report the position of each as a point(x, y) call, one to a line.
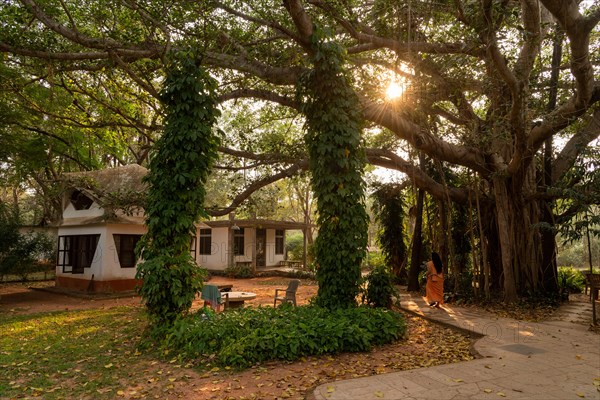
point(80, 201)
point(279, 235)
point(125, 245)
point(205, 241)
point(193, 247)
point(76, 252)
point(238, 242)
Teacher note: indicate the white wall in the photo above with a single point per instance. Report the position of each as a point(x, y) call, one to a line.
point(94, 211)
point(218, 259)
point(111, 269)
point(105, 263)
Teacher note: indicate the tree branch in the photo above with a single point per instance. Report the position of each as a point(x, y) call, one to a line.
point(572, 149)
point(390, 160)
point(301, 20)
point(259, 94)
point(290, 171)
point(578, 30)
point(86, 41)
point(125, 67)
point(385, 115)
point(48, 55)
point(559, 119)
point(274, 75)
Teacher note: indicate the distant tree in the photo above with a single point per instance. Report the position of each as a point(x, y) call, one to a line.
point(20, 252)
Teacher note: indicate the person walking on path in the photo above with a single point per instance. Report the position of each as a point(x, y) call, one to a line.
point(434, 290)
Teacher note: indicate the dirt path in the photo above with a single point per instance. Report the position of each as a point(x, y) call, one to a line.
point(27, 298)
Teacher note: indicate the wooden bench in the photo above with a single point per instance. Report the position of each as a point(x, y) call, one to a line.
point(243, 263)
point(290, 263)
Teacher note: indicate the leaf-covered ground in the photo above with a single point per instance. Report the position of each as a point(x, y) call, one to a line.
point(92, 354)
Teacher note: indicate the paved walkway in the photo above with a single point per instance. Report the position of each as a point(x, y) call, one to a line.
point(555, 359)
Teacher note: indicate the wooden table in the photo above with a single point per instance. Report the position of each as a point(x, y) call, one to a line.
point(237, 299)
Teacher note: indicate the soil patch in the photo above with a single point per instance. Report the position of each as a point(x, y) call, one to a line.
point(427, 344)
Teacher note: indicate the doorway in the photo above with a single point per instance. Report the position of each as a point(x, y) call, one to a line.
point(261, 245)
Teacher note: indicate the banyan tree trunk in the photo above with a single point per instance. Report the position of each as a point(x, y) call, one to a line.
point(517, 218)
point(504, 214)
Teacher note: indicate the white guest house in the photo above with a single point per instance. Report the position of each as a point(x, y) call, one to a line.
point(102, 223)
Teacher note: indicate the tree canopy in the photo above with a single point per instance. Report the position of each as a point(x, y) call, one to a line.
point(505, 93)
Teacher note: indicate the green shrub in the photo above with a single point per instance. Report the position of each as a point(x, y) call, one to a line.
point(294, 246)
point(459, 289)
point(374, 259)
point(379, 288)
point(22, 254)
point(248, 336)
point(570, 280)
point(239, 271)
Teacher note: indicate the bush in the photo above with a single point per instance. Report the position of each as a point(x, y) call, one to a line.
point(171, 284)
point(248, 336)
point(374, 259)
point(239, 271)
point(459, 290)
point(22, 254)
point(379, 288)
point(570, 280)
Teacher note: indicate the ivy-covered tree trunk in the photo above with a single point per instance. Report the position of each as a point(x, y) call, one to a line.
point(179, 168)
point(337, 160)
point(388, 207)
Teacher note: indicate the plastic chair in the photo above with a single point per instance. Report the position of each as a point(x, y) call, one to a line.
point(290, 293)
point(213, 297)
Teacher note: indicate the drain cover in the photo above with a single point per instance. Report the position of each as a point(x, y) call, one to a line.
point(522, 349)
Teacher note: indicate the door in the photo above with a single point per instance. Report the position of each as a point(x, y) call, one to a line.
point(261, 245)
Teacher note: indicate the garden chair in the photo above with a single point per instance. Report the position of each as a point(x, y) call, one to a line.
point(213, 297)
point(290, 293)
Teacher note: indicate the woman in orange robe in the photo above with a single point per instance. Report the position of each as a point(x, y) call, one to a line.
point(434, 290)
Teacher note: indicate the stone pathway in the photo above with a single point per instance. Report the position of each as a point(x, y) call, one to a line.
point(554, 359)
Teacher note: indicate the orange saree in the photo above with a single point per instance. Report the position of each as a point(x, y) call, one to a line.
point(434, 290)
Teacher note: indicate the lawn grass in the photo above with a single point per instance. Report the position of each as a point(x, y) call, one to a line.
point(73, 354)
point(93, 354)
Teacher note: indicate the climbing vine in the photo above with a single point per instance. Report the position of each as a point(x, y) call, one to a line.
point(388, 207)
point(179, 168)
point(337, 160)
